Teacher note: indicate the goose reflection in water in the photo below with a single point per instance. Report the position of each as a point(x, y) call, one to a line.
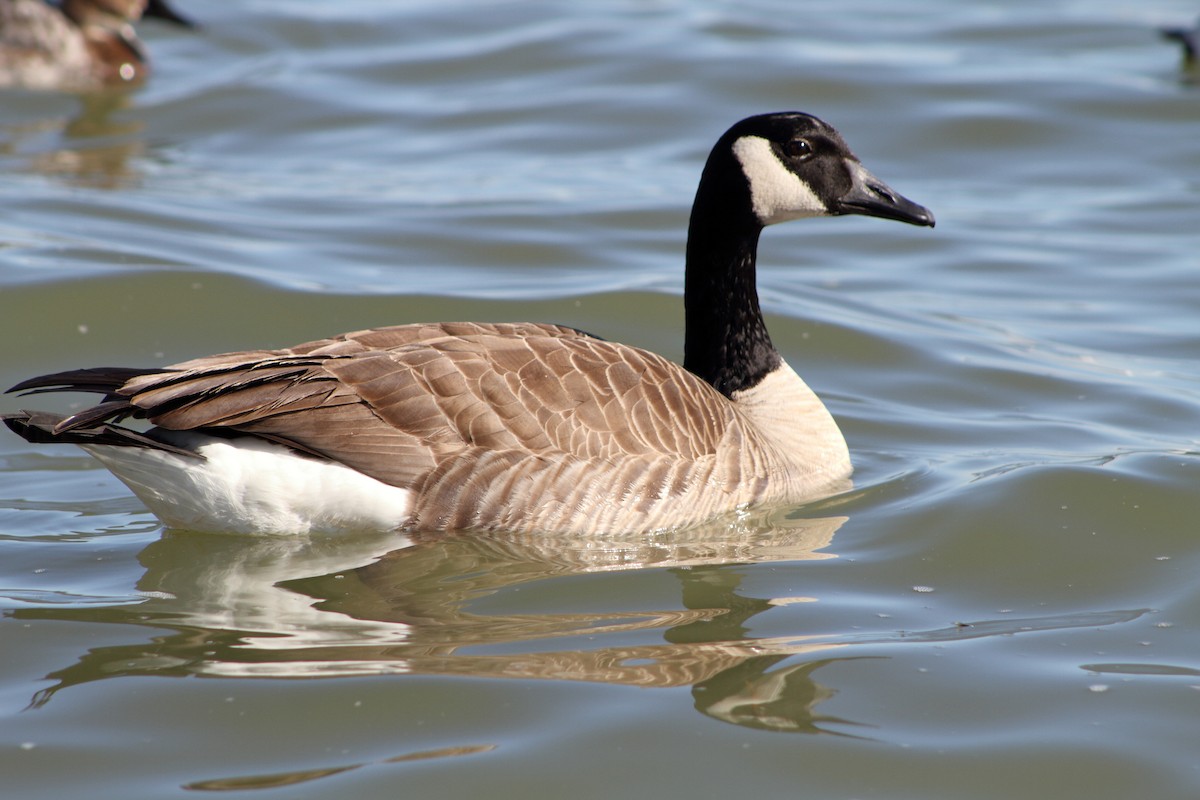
point(315, 607)
point(323, 607)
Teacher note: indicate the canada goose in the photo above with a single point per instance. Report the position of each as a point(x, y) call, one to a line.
point(78, 45)
point(522, 426)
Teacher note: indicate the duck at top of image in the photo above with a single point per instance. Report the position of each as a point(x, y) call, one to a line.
point(76, 45)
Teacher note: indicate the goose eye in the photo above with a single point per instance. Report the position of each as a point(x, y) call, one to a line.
point(798, 148)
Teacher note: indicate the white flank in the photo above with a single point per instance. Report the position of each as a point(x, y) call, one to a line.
point(776, 192)
point(252, 486)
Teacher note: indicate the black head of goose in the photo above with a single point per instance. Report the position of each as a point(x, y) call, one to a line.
point(522, 426)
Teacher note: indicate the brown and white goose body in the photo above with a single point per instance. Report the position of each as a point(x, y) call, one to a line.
point(522, 426)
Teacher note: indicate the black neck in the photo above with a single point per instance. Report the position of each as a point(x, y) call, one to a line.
point(726, 341)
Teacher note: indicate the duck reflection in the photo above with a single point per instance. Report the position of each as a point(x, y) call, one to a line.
point(448, 605)
point(94, 149)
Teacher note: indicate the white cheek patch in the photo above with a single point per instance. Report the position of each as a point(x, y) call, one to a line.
point(776, 192)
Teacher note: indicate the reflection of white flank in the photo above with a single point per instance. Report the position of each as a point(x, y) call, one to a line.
point(325, 606)
point(236, 584)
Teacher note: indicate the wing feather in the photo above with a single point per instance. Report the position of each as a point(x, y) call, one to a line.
point(453, 408)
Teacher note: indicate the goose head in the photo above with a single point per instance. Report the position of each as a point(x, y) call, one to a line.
point(765, 169)
point(790, 165)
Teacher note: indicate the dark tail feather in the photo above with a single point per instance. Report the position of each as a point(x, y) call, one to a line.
point(102, 380)
point(99, 380)
point(43, 427)
point(89, 418)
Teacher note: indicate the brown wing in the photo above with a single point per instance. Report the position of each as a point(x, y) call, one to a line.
point(399, 402)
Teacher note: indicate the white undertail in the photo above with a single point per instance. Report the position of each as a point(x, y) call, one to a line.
point(253, 486)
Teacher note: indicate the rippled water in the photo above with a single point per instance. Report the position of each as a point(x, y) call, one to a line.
point(1003, 607)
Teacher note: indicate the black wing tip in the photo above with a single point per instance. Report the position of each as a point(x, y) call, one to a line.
point(33, 426)
point(45, 427)
point(102, 380)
